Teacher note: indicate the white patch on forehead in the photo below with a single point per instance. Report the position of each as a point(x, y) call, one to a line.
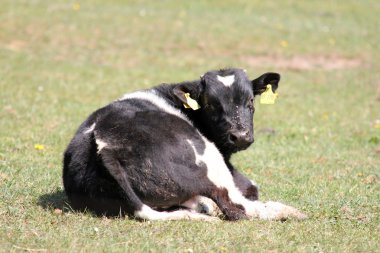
point(226, 80)
point(90, 129)
point(158, 101)
point(101, 144)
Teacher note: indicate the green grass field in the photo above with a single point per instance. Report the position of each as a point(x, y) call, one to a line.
point(61, 60)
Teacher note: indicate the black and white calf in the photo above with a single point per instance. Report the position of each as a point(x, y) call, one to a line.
point(147, 156)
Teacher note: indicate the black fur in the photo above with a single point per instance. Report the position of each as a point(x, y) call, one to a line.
point(147, 158)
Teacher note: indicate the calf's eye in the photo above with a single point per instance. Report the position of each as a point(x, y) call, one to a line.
point(210, 107)
point(250, 103)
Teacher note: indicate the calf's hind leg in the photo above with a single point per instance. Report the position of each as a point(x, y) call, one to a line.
point(135, 207)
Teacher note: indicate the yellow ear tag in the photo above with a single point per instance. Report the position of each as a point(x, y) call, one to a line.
point(191, 103)
point(268, 97)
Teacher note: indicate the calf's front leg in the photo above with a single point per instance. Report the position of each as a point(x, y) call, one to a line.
point(221, 184)
point(267, 210)
point(235, 206)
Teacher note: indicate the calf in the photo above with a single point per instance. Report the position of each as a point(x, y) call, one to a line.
point(170, 146)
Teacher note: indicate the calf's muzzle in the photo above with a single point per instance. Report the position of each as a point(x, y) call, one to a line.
point(241, 139)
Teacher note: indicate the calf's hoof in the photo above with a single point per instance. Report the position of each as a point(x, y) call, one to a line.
point(279, 211)
point(236, 215)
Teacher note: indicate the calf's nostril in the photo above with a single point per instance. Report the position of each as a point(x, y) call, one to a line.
point(233, 138)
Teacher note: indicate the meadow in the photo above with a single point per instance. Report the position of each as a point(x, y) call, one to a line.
point(317, 148)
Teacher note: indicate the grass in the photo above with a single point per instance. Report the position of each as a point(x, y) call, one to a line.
point(60, 61)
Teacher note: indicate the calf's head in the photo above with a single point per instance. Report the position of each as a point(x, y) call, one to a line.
point(226, 98)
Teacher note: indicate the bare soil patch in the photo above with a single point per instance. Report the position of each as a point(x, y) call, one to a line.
point(15, 45)
point(304, 62)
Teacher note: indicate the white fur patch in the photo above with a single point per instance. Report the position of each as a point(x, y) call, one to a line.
point(90, 129)
point(202, 205)
point(152, 97)
point(226, 80)
point(101, 144)
point(218, 172)
point(148, 213)
point(277, 211)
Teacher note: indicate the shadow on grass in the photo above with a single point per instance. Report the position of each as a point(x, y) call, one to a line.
point(97, 208)
point(110, 208)
point(54, 200)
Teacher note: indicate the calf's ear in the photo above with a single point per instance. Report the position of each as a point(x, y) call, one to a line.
point(180, 92)
point(192, 88)
point(259, 84)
